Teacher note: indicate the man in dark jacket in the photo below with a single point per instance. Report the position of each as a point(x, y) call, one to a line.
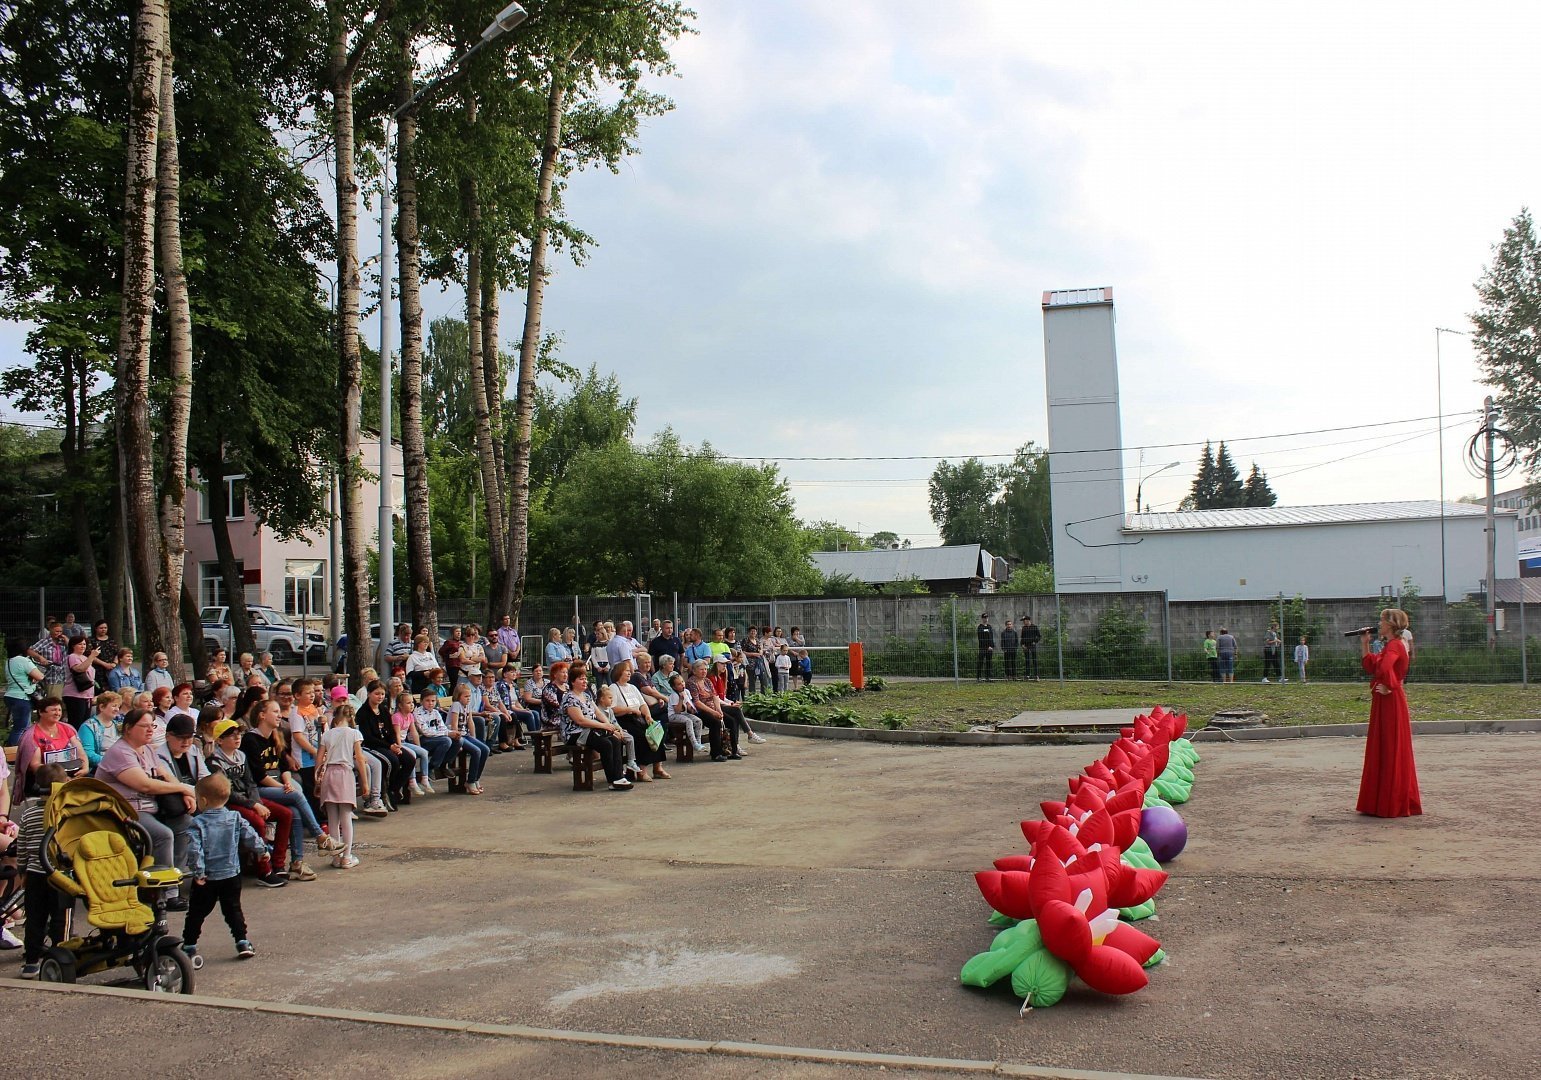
point(1009, 649)
point(1031, 636)
point(984, 667)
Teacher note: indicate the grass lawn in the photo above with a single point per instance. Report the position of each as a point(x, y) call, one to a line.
point(942, 706)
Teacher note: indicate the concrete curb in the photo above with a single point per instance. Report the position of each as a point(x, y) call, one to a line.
point(1093, 738)
point(1348, 731)
point(762, 1051)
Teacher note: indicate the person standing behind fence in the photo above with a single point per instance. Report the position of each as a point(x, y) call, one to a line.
point(1302, 657)
point(1009, 641)
point(984, 667)
point(1225, 647)
point(1273, 653)
point(1212, 655)
point(1030, 637)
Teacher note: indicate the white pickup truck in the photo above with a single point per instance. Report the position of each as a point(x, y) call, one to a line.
point(271, 629)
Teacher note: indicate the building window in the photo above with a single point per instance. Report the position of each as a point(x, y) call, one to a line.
point(305, 586)
point(235, 499)
point(211, 585)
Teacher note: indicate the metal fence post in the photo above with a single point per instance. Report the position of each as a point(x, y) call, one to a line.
point(1524, 641)
point(1059, 638)
point(1166, 625)
point(952, 616)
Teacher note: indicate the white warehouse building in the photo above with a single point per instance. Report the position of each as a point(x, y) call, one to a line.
point(1349, 550)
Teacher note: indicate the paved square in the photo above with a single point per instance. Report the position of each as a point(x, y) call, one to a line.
point(820, 894)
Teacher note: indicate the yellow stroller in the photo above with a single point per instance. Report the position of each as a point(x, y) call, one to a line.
point(96, 851)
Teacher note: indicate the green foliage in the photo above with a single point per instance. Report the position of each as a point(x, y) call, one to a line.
point(876, 683)
point(841, 718)
point(1218, 485)
point(1465, 624)
point(669, 516)
point(893, 721)
point(829, 536)
point(1033, 579)
point(837, 586)
point(1005, 508)
point(1410, 600)
point(1117, 645)
point(1507, 337)
point(909, 586)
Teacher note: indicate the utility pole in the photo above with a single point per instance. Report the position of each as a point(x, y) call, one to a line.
point(1491, 531)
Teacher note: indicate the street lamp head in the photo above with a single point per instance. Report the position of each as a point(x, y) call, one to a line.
point(507, 19)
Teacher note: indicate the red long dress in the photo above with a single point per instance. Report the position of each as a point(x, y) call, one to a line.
point(1389, 787)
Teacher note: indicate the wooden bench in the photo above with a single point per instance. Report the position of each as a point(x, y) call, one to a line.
point(10, 754)
point(542, 742)
point(459, 773)
point(583, 761)
point(679, 735)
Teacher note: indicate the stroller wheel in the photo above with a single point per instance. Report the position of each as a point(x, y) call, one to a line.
point(170, 970)
point(57, 965)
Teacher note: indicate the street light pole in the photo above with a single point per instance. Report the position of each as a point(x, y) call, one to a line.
point(1140, 487)
point(510, 17)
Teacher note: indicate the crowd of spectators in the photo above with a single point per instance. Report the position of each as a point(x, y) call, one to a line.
point(299, 760)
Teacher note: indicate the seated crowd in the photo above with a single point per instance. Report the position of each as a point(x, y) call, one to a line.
point(299, 759)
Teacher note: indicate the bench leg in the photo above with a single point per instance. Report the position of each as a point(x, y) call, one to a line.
point(583, 769)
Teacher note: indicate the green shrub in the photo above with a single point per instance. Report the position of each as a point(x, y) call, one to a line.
point(842, 718)
point(893, 721)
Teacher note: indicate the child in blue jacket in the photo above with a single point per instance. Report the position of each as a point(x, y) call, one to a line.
point(215, 839)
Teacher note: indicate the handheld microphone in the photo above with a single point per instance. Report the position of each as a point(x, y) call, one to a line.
point(1361, 630)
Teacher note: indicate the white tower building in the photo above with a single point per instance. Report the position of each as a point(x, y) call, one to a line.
point(1086, 476)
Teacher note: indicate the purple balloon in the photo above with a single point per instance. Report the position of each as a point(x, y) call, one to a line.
point(1163, 829)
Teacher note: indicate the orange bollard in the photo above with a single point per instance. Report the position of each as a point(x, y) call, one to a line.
point(858, 679)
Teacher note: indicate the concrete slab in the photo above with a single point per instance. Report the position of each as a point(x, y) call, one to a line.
point(1100, 720)
point(820, 895)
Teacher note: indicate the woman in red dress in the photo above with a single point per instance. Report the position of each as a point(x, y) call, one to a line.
point(1389, 787)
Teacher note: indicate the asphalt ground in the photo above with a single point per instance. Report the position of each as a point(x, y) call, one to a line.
point(820, 895)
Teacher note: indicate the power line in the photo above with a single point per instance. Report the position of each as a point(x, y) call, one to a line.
point(1101, 450)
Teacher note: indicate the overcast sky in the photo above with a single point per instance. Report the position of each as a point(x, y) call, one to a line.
point(836, 244)
point(838, 241)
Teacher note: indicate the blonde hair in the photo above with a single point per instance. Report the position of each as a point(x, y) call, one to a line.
point(1396, 617)
point(213, 791)
point(342, 715)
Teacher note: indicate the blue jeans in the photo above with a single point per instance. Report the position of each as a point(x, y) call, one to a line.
point(421, 753)
point(305, 820)
point(21, 718)
point(439, 748)
point(530, 720)
point(478, 751)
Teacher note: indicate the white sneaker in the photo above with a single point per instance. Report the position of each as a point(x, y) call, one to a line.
point(427, 785)
point(699, 748)
point(755, 736)
point(8, 940)
point(415, 788)
point(1265, 680)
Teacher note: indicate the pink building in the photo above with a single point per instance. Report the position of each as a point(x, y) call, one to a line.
point(293, 576)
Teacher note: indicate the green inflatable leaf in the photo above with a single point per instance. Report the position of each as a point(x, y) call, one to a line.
point(1153, 798)
point(997, 919)
point(1156, 958)
point(1010, 947)
point(1041, 979)
point(1138, 912)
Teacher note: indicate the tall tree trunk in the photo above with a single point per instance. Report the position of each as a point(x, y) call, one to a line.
point(495, 380)
point(480, 392)
point(135, 450)
point(217, 495)
point(518, 556)
point(77, 385)
point(414, 453)
point(192, 626)
point(355, 576)
point(178, 409)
